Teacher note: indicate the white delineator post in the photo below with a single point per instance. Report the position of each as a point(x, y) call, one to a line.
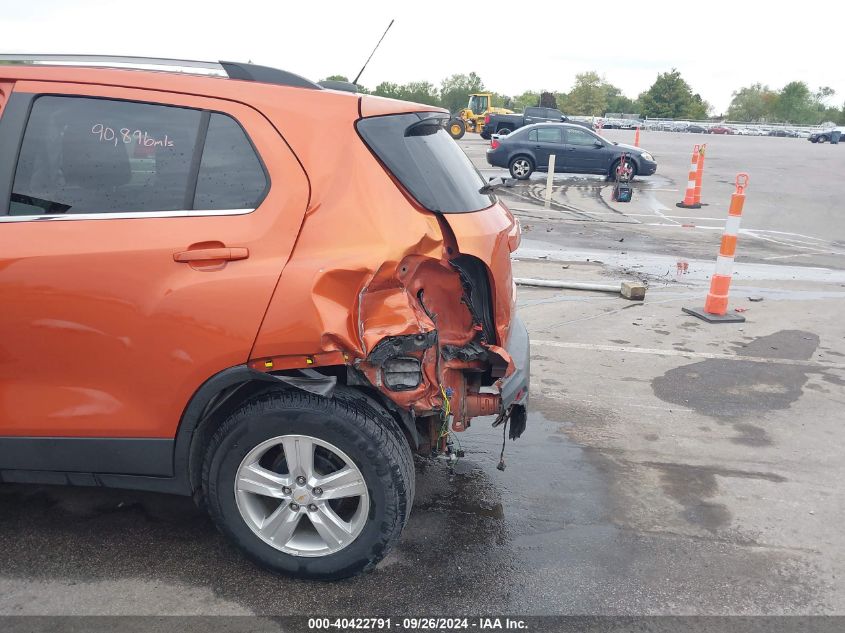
point(550, 178)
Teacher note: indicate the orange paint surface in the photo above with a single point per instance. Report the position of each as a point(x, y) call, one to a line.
point(112, 336)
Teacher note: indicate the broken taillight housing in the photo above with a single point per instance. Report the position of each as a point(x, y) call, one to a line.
point(401, 374)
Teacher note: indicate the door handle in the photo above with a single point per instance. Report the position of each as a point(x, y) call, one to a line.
point(211, 254)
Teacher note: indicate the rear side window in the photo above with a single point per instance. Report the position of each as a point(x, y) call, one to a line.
point(548, 135)
point(426, 160)
point(230, 176)
point(84, 155)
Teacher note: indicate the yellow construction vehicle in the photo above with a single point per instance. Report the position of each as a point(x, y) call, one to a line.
point(471, 118)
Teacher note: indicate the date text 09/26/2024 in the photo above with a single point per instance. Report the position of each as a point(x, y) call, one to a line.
point(416, 624)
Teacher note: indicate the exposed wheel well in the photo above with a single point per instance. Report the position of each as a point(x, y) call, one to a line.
point(223, 394)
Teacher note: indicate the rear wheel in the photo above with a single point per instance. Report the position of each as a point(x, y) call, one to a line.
point(308, 486)
point(822, 139)
point(457, 129)
point(521, 167)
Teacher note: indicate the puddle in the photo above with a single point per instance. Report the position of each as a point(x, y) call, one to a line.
point(733, 390)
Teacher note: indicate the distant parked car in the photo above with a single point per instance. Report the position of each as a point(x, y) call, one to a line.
point(576, 150)
point(823, 136)
point(696, 129)
point(722, 129)
point(778, 132)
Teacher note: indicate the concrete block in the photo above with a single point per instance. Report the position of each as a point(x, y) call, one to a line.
point(633, 290)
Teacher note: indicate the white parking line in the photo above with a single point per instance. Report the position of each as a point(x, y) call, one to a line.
point(627, 349)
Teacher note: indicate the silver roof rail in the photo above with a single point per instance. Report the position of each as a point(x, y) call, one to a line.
point(117, 61)
point(232, 70)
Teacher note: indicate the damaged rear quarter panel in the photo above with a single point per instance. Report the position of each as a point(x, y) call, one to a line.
point(364, 253)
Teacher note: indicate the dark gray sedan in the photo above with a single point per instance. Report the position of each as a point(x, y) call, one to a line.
point(576, 149)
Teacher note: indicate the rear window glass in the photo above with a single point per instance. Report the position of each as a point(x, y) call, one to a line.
point(426, 160)
point(230, 176)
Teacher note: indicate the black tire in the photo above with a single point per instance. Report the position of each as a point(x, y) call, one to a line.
point(504, 131)
point(357, 426)
point(456, 128)
point(518, 173)
point(822, 139)
point(485, 135)
point(612, 173)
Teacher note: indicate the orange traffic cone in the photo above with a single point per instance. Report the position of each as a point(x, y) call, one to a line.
point(637, 138)
point(699, 174)
point(689, 198)
point(716, 305)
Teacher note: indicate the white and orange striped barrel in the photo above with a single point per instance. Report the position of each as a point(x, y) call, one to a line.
point(720, 283)
point(699, 175)
point(689, 196)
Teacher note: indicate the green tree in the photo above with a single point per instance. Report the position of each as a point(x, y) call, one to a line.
point(589, 95)
point(671, 97)
point(620, 103)
point(795, 103)
point(388, 89)
point(502, 101)
point(416, 91)
point(528, 99)
point(455, 90)
point(420, 92)
point(752, 103)
point(336, 78)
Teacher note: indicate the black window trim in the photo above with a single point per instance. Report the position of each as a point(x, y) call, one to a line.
point(13, 128)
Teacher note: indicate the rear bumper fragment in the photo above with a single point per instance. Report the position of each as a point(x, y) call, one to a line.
point(514, 388)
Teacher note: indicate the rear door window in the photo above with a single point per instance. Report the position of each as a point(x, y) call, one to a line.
point(88, 155)
point(419, 152)
point(549, 135)
point(82, 155)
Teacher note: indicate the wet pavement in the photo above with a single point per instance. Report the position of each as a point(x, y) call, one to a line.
point(684, 490)
point(791, 215)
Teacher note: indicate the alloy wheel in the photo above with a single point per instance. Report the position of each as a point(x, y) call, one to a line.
point(302, 495)
point(521, 168)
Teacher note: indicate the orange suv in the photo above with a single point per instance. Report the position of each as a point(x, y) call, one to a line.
point(232, 283)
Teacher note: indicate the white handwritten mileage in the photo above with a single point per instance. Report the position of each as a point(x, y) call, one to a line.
point(128, 136)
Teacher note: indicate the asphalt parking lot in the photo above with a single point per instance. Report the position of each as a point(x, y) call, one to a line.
point(669, 466)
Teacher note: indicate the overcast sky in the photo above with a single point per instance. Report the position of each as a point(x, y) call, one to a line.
point(515, 46)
